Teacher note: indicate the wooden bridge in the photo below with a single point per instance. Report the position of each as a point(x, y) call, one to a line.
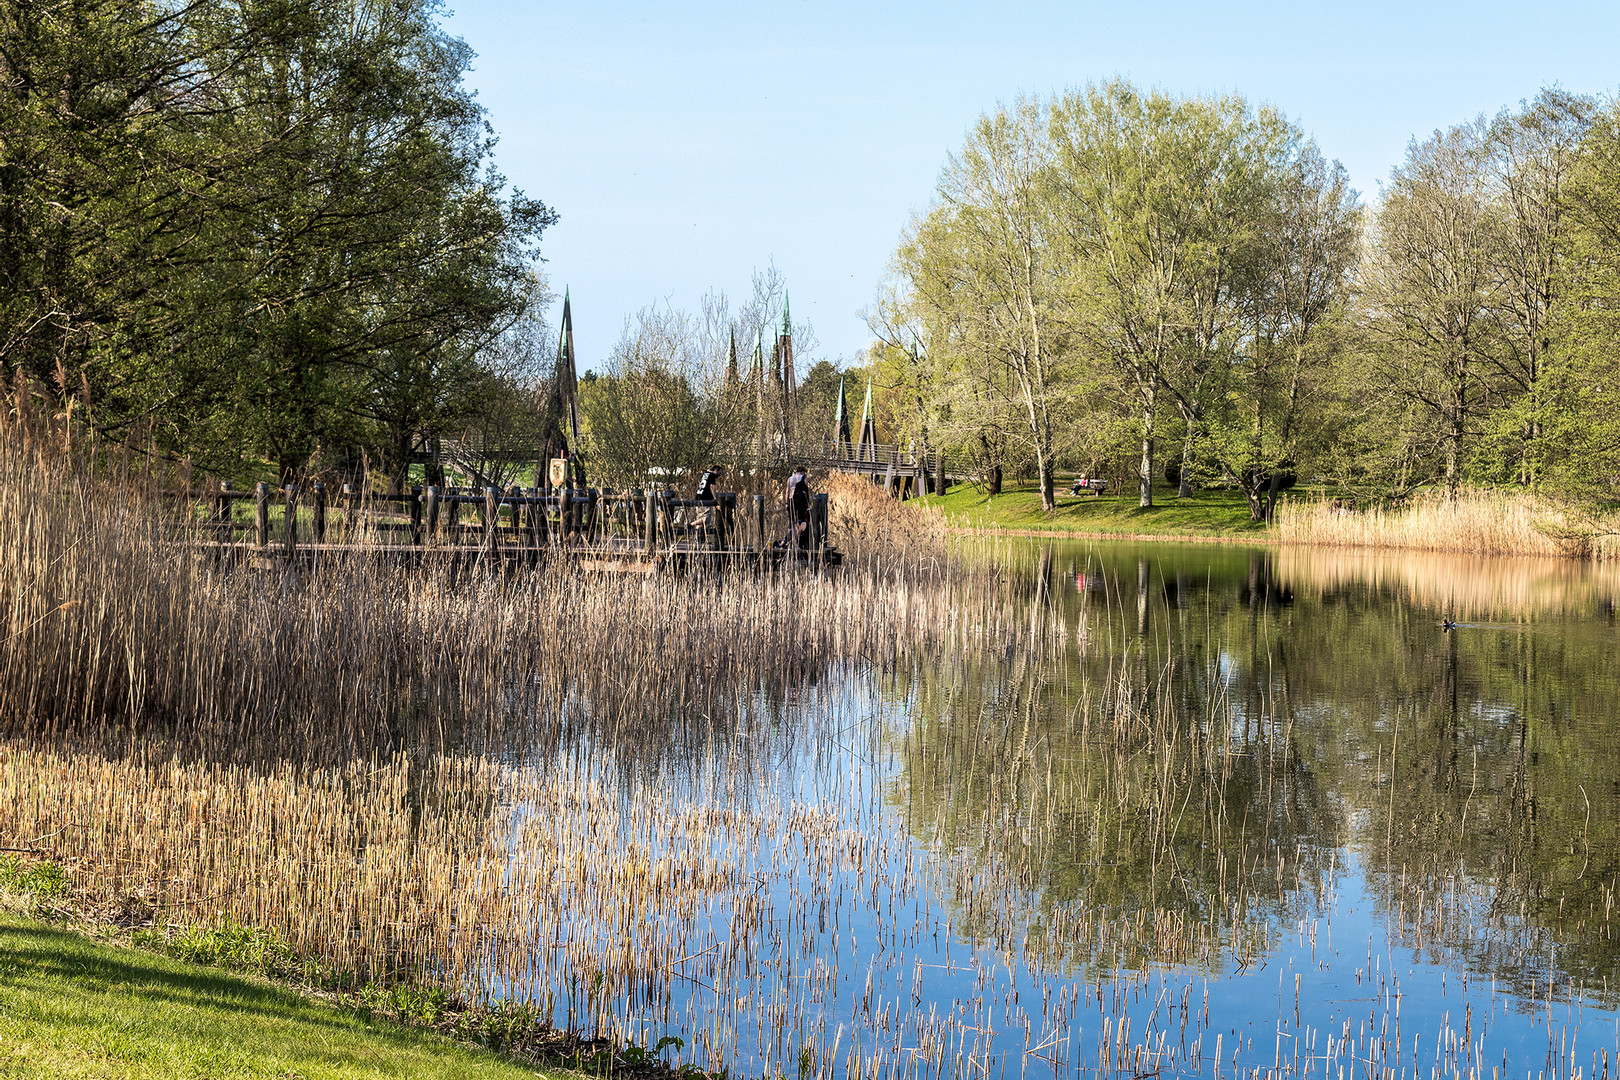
point(596, 528)
point(903, 471)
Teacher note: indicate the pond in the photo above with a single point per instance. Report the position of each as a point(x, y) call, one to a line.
point(1192, 810)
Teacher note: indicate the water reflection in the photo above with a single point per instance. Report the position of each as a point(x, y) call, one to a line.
point(1472, 773)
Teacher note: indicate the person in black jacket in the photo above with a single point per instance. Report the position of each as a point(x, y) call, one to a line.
point(798, 501)
point(705, 488)
point(705, 495)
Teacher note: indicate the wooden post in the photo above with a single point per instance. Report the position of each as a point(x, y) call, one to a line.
point(261, 513)
point(888, 479)
point(652, 521)
point(452, 523)
point(289, 518)
point(724, 505)
point(222, 513)
point(413, 500)
point(759, 523)
point(320, 512)
point(432, 510)
point(351, 512)
point(492, 519)
point(818, 521)
point(591, 498)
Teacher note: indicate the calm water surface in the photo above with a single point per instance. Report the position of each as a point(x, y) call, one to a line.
point(1216, 811)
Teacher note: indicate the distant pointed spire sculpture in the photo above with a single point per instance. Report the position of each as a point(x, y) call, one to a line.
point(733, 378)
point(757, 377)
point(567, 372)
point(840, 431)
point(866, 448)
point(786, 375)
point(561, 432)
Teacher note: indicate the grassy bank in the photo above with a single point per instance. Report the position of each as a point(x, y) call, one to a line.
point(1480, 522)
point(1218, 514)
point(71, 1006)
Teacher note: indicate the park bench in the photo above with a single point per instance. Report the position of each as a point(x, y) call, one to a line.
point(1090, 487)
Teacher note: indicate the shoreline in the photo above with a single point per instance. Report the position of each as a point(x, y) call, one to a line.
point(1154, 538)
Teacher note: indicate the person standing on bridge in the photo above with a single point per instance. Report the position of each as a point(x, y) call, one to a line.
point(705, 488)
point(798, 501)
point(706, 496)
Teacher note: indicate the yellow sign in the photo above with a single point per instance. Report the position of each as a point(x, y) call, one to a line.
point(559, 471)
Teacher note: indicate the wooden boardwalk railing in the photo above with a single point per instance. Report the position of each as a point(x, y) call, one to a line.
point(515, 522)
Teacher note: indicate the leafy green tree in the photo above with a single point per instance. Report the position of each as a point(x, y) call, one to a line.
point(984, 277)
point(261, 228)
point(1583, 417)
point(1165, 203)
point(98, 183)
point(1533, 155)
point(658, 414)
point(1432, 291)
point(1281, 380)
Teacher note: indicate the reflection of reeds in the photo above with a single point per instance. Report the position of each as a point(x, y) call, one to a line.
point(1460, 586)
point(1481, 522)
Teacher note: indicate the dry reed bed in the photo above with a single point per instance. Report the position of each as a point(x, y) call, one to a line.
point(1475, 522)
point(880, 533)
point(109, 621)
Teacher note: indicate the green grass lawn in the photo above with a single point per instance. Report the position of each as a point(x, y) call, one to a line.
point(74, 1007)
point(1206, 513)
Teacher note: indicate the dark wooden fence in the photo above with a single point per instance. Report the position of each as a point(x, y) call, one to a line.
point(637, 524)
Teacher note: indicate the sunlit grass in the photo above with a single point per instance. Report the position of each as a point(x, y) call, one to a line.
point(1216, 513)
point(74, 1007)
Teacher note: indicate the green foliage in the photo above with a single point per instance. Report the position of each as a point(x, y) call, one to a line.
point(40, 887)
point(259, 228)
point(404, 1002)
point(1112, 267)
point(1104, 261)
point(228, 944)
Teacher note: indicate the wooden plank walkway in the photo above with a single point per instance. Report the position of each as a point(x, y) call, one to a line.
point(631, 532)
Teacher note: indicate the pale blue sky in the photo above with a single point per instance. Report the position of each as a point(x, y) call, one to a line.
point(685, 145)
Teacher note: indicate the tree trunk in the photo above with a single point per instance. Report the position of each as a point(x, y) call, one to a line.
point(1145, 475)
point(1184, 481)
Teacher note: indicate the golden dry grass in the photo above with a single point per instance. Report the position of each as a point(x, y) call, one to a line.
point(880, 532)
point(1476, 522)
